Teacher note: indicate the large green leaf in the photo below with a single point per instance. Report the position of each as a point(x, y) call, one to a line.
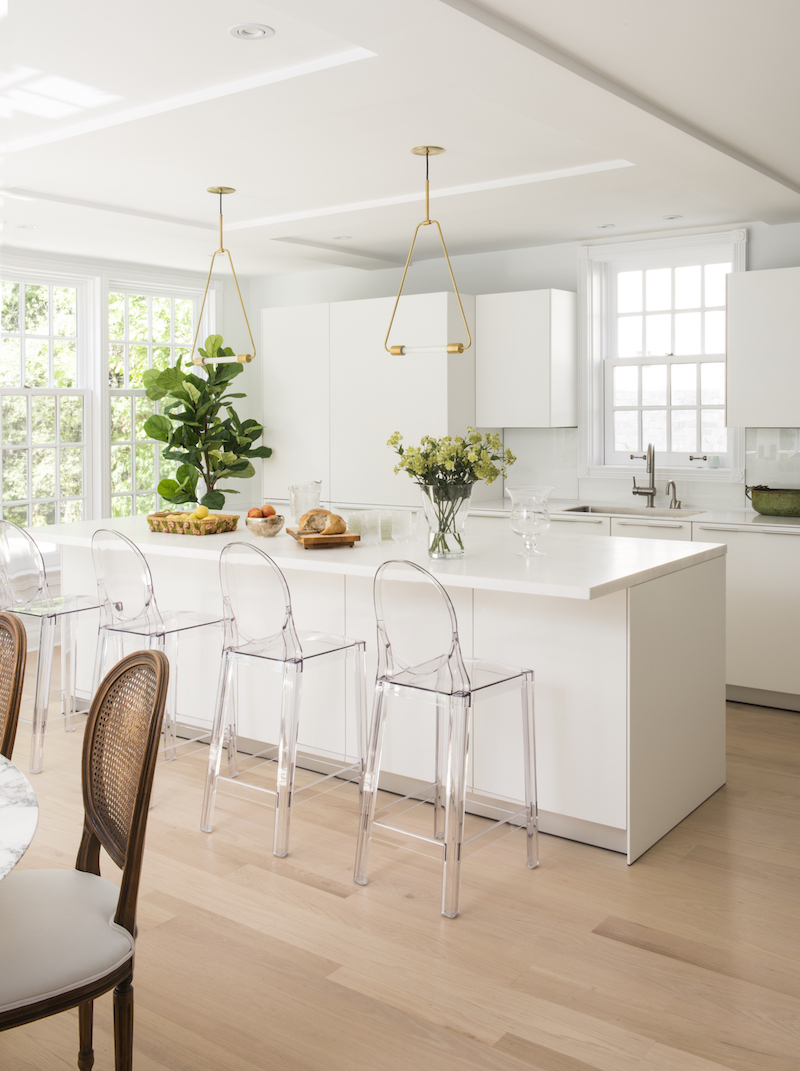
point(167, 488)
point(158, 427)
point(240, 471)
point(259, 451)
point(170, 379)
point(213, 499)
point(211, 345)
point(188, 476)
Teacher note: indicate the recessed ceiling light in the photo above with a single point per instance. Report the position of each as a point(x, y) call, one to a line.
point(26, 226)
point(251, 31)
point(605, 226)
point(342, 237)
point(672, 217)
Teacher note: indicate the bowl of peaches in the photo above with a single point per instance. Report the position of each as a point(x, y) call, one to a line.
point(264, 521)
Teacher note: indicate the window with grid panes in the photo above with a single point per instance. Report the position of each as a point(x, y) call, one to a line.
point(665, 375)
point(44, 414)
point(145, 330)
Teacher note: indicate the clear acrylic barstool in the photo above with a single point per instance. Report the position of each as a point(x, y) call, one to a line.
point(24, 591)
point(128, 607)
point(423, 625)
point(259, 625)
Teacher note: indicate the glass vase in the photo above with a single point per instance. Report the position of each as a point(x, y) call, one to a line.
point(446, 507)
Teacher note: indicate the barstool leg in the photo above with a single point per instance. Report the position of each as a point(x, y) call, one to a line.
point(529, 759)
point(456, 795)
point(231, 718)
point(68, 661)
point(44, 666)
point(287, 754)
point(359, 654)
point(442, 733)
point(100, 655)
point(217, 734)
point(369, 784)
point(169, 645)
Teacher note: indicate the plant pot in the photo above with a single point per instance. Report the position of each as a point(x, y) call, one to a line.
point(446, 507)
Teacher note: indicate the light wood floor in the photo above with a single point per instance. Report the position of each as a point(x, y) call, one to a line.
point(686, 961)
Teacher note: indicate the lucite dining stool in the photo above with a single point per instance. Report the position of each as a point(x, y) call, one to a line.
point(426, 661)
point(128, 609)
point(259, 625)
point(24, 591)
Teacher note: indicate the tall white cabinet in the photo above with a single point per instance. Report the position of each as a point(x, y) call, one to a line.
point(526, 370)
point(333, 396)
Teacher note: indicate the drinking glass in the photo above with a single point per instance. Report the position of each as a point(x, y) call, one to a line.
point(529, 516)
point(401, 526)
point(304, 496)
point(370, 526)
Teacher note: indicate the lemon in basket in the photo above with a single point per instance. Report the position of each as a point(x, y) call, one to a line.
point(200, 513)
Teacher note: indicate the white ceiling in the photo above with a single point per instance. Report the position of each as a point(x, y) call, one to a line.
point(115, 118)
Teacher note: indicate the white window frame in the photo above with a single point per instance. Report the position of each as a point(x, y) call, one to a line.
point(44, 272)
point(596, 263)
point(94, 282)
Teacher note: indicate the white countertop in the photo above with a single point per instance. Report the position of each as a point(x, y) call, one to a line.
point(746, 518)
point(577, 567)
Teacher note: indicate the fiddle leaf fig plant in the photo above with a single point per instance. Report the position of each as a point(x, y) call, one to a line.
point(192, 423)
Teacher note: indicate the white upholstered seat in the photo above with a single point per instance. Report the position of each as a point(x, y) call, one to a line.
point(57, 933)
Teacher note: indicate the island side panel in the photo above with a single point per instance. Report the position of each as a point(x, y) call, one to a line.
point(677, 699)
point(578, 652)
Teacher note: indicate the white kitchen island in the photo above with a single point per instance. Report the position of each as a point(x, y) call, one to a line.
point(626, 638)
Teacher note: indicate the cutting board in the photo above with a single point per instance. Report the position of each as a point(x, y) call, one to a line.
point(309, 540)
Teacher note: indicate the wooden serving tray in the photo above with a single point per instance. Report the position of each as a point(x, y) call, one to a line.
point(309, 540)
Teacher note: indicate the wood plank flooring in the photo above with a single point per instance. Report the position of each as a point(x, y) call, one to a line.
point(686, 961)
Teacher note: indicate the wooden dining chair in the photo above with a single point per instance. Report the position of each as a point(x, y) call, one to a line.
point(67, 936)
point(13, 649)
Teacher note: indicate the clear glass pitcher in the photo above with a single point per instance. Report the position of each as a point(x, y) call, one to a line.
point(303, 497)
point(529, 515)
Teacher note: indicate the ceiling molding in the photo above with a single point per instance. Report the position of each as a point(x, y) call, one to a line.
point(170, 104)
point(18, 193)
point(549, 52)
point(450, 191)
point(345, 256)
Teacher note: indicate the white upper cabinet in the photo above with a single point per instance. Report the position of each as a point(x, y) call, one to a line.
point(526, 360)
point(373, 394)
point(764, 349)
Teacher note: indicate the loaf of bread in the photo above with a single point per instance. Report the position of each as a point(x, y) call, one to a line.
point(321, 522)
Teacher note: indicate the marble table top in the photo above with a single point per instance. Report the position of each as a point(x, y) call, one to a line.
point(19, 815)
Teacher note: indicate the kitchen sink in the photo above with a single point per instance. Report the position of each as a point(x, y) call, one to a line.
point(634, 511)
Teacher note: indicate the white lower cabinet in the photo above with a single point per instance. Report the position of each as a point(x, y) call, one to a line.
point(580, 525)
point(763, 608)
point(642, 528)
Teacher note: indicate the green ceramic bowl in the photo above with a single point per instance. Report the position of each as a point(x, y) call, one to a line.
point(775, 502)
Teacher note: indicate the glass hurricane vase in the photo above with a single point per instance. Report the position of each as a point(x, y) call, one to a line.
point(530, 517)
point(446, 507)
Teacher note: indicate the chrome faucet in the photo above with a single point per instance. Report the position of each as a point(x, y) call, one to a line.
point(675, 502)
point(650, 490)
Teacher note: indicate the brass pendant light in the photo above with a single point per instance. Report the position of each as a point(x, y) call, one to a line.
point(243, 358)
point(452, 347)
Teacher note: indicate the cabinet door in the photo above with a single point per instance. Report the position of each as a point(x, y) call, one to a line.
point(763, 609)
point(296, 419)
point(763, 352)
point(599, 526)
point(526, 370)
point(374, 394)
point(646, 529)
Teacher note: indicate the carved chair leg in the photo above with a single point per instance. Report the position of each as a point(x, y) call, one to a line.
point(123, 1026)
point(86, 1053)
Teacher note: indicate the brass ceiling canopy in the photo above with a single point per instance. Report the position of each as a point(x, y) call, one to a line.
point(452, 347)
point(242, 358)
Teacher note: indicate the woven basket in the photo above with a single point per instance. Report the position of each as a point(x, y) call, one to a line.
point(167, 521)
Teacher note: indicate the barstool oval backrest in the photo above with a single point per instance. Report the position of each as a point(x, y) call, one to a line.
point(417, 629)
point(23, 579)
point(124, 581)
point(256, 601)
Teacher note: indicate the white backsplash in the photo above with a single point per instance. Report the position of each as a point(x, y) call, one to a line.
point(550, 456)
point(772, 457)
point(544, 456)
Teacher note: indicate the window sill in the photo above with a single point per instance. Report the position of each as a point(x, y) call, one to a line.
point(617, 472)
